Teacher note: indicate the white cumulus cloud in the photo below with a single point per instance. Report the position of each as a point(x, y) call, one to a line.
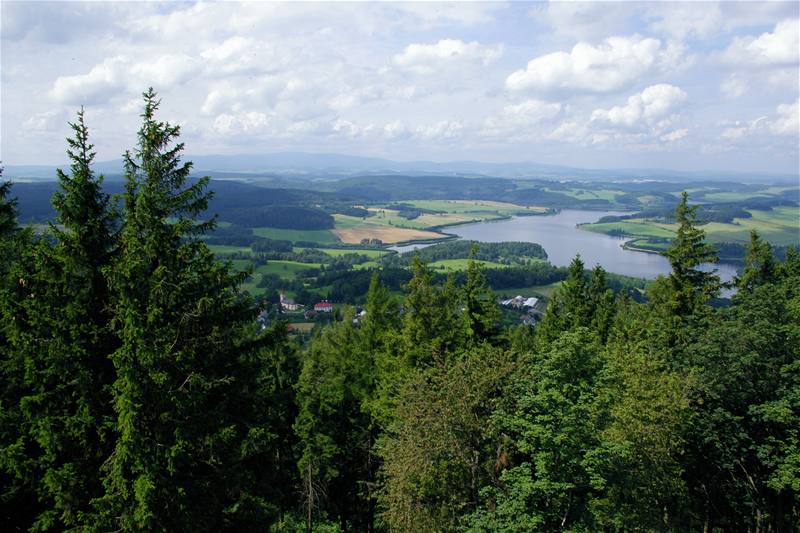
point(243, 55)
point(46, 121)
point(430, 58)
point(244, 123)
point(787, 121)
point(675, 135)
point(523, 120)
point(612, 65)
point(98, 85)
point(784, 123)
point(781, 47)
point(167, 71)
point(118, 74)
point(734, 86)
point(648, 107)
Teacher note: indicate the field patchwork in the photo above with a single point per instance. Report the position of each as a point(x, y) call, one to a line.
point(353, 230)
point(780, 226)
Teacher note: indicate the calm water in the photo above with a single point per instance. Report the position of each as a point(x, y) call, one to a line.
point(562, 240)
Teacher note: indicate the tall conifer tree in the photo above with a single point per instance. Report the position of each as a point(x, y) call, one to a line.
point(60, 333)
point(8, 209)
point(759, 265)
point(481, 314)
point(690, 287)
point(19, 504)
point(190, 411)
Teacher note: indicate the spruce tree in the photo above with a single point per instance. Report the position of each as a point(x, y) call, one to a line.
point(336, 431)
point(574, 291)
point(67, 346)
point(60, 342)
point(481, 314)
point(602, 302)
point(381, 310)
point(569, 308)
point(193, 449)
point(759, 265)
point(430, 323)
point(689, 286)
point(8, 209)
point(19, 504)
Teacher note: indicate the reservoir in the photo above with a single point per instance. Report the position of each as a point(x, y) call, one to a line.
point(562, 240)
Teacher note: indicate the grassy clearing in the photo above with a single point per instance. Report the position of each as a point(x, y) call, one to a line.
point(733, 196)
point(647, 245)
point(584, 194)
point(366, 265)
point(536, 290)
point(649, 199)
point(239, 264)
point(636, 227)
point(251, 287)
point(777, 190)
point(780, 226)
point(482, 209)
point(221, 249)
point(285, 269)
point(338, 252)
point(391, 217)
point(321, 236)
point(461, 264)
point(784, 216)
point(352, 230)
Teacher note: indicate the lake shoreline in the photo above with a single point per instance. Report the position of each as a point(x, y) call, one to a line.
point(562, 237)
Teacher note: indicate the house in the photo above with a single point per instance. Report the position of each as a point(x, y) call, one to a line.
point(289, 305)
point(359, 316)
point(323, 307)
point(520, 302)
point(530, 302)
point(263, 318)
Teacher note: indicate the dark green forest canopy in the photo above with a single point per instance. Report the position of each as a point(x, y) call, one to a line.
point(142, 393)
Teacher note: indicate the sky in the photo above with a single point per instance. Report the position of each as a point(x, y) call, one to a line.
point(686, 86)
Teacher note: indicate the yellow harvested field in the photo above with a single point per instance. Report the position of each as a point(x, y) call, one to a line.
point(429, 219)
point(302, 327)
point(386, 234)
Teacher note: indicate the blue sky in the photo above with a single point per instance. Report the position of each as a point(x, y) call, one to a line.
point(689, 86)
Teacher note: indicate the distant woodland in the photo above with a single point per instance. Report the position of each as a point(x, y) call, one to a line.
point(140, 392)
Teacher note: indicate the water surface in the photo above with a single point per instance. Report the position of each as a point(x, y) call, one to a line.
point(562, 240)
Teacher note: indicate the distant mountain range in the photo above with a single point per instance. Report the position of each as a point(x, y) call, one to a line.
point(335, 166)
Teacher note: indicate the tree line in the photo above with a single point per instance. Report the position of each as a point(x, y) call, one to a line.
point(139, 394)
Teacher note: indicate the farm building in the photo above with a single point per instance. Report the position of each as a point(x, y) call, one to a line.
point(288, 304)
point(323, 307)
point(520, 302)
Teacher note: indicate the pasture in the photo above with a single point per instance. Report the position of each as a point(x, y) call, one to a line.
point(631, 227)
point(461, 264)
point(589, 194)
point(321, 236)
point(780, 226)
point(222, 250)
point(285, 269)
point(338, 252)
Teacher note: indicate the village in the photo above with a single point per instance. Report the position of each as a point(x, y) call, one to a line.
point(302, 318)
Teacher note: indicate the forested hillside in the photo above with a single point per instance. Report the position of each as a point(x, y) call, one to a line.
point(140, 394)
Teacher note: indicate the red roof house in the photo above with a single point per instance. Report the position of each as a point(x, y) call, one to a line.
point(323, 307)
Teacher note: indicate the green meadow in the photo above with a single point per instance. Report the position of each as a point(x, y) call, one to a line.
point(321, 236)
